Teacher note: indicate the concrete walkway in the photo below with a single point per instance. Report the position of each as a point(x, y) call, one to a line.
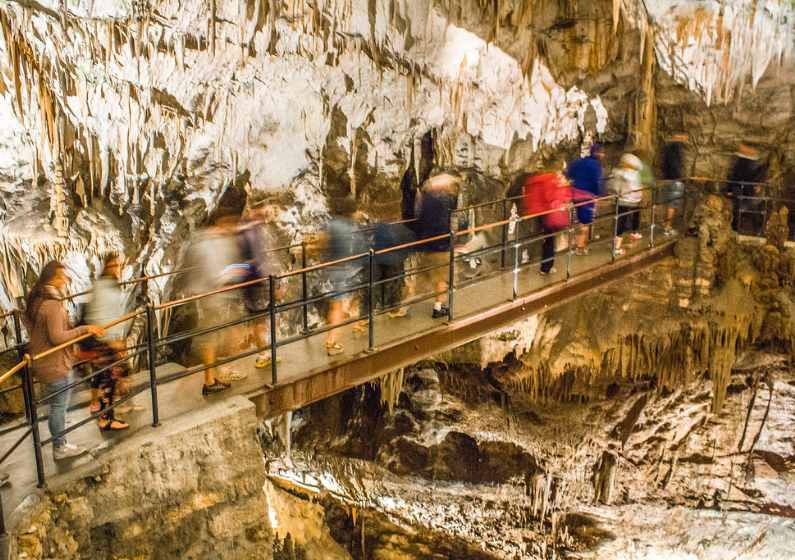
point(179, 396)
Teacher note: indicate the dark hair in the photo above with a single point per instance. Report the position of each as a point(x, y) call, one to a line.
point(38, 293)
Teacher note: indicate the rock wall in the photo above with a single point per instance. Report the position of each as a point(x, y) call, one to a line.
point(192, 488)
point(128, 119)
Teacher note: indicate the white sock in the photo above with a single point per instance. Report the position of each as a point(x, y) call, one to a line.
point(437, 305)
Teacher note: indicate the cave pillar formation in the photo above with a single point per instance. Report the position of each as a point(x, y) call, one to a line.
point(643, 125)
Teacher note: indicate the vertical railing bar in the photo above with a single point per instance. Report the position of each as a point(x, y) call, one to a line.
point(305, 311)
point(451, 278)
point(272, 303)
point(371, 295)
point(21, 356)
point(34, 415)
point(152, 356)
point(653, 210)
point(504, 231)
point(615, 231)
point(571, 232)
point(516, 261)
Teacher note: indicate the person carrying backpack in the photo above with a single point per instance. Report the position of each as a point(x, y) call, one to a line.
point(256, 249)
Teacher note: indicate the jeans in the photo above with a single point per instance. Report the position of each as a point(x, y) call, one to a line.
point(58, 405)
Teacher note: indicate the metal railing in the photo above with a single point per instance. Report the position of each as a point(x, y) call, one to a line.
point(503, 249)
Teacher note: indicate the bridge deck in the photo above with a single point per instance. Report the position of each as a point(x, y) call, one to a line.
point(306, 374)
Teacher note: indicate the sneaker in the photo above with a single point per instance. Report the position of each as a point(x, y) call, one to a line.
point(217, 387)
point(67, 451)
point(94, 407)
point(398, 313)
point(635, 236)
point(621, 251)
point(669, 231)
point(582, 251)
point(552, 270)
point(439, 313)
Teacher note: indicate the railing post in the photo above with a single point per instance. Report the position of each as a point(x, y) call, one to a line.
point(764, 214)
point(272, 304)
point(516, 261)
point(653, 210)
point(305, 312)
point(152, 355)
point(740, 200)
point(2, 520)
point(504, 231)
point(18, 330)
point(451, 278)
point(615, 231)
point(27, 378)
point(21, 356)
point(571, 235)
point(371, 295)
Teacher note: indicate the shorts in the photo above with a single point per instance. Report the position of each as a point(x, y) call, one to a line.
point(628, 219)
point(440, 270)
point(585, 213)
point(256, 297)
point(215, 310)
point(673, 194)
point(343, 277)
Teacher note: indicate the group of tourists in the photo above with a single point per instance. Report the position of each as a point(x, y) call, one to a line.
point(238, 246)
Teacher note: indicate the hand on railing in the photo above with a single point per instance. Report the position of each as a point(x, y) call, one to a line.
point(96, 330)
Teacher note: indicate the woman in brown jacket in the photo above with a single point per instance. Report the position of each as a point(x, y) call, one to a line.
point(48, 327)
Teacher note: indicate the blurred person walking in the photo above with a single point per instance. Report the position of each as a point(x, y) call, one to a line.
point(585, 174)
point(48, 325)
point(625, 183)
point(106, 306)
point(672, 165)
point(744, 181)
point(343, 239)
point(389, 265)
point(257, 251)
point(435, 218)
point(549, 194)
point(214, 255)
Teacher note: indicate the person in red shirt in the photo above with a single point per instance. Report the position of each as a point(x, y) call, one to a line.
point(550, 194)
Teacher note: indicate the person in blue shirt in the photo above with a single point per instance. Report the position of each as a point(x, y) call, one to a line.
point(585, 174)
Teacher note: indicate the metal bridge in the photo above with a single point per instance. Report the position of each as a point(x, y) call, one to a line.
point(502, 287)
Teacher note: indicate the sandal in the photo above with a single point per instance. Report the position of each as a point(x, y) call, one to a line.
point(232, 376)
point(334, 349)
point(114, 424)
point(94, 407)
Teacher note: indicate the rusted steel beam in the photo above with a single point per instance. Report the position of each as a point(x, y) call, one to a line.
point(355, 370)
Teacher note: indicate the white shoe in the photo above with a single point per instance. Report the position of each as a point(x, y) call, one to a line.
point(66, 451)
point(552, 270)
point(635, 236)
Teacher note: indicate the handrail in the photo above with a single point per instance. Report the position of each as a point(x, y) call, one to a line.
point(320, 266)
point(84, 336)
point(13, 370)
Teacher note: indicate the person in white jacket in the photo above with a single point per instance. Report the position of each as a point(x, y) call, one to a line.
point(625, 182)
point(105, 307)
